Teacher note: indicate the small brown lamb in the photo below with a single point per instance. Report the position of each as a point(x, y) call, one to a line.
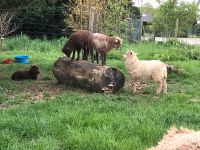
point(32, 74)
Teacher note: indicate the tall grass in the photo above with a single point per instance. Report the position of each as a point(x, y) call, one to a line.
point(25, 43)
point(75, 119)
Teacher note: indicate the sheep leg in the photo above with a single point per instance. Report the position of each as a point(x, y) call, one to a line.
point(92, 55)
point(160, 86)
point(85, 54)
point(97, 57)
point(103, 59)
point(134, 87)
point(159, 80)
point(73, 55)
point(78, 54)
point(101, 56)
point(164, 86)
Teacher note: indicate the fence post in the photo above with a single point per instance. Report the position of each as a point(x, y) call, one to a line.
point(1, 43)
point(176, 29)
point(91, 19)
point(81, 21)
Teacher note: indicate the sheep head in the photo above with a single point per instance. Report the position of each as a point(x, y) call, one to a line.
point(35, 70)
point(117, 42)
point(130, 55)
point(67, 51)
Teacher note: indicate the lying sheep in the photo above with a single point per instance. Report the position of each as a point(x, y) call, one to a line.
point(77, 41)
point(103, 44)
point(32, 73)
point(143, 70)
point(183, 139)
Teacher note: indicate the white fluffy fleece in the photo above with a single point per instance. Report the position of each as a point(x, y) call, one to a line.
point(183, 139)
point(144, 70)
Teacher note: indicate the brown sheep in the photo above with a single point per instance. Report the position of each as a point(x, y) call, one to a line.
point(103, 44)
point(77, 41)
point(32, 73)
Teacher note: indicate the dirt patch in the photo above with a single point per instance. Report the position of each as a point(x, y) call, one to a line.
point(41, 90)
point(4, 106)
point(31, 92)
point(139, 86)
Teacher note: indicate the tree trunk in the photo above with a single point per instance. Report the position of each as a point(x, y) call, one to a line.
point(86, 75)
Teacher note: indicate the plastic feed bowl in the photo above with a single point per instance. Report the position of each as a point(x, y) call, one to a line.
point(22, 59)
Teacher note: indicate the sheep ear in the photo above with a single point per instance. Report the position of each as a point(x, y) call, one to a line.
point(134, 53)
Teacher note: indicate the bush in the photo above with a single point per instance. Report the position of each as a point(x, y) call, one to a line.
point(174, 42)
point(169, 56)
point(193, 53)
point(188, 51)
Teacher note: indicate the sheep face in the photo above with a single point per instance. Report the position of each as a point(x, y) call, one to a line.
point(67, 51)
point(117, 42)
point(35, 70)
point(130, 55)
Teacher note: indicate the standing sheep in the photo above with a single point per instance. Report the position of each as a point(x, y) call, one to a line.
point(143, 70)
point(103, 44)
point(77, 41)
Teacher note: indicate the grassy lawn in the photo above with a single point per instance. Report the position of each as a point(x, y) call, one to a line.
point(43, 115)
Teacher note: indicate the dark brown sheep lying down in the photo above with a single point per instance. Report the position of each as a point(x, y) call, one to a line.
point(32, 73)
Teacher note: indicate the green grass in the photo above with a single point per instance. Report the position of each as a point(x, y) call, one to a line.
point(42, 115)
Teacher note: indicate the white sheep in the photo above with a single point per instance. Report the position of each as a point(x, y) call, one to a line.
point(143, 70)
point(179, 139)
point(103, 44)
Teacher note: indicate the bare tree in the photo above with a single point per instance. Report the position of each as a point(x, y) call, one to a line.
point(7, 26)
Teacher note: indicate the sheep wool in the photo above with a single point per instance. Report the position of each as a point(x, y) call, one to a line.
point(104, 44)
point(183, 139)
point(144, 70)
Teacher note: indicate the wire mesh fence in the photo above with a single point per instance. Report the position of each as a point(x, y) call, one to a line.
point(50, 23)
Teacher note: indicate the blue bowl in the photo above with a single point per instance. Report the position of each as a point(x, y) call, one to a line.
point(22, 59)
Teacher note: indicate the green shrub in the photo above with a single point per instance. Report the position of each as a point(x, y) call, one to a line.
point(21, 42)
point(186, 51)
point(193, 53)
point(173, 56)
